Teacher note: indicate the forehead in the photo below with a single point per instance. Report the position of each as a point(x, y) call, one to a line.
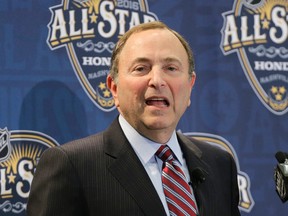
point(151, 35)
point(153, 41)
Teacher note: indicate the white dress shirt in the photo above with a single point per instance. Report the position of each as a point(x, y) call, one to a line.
point(146, 149)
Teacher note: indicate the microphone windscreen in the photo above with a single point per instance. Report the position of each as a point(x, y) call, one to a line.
point(281, 156)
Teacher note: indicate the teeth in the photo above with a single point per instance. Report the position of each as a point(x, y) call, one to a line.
point(162, 100)
point(158, 99)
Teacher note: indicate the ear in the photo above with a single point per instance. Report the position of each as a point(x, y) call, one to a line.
point(192, 82)
point(113, 88)
point(193, 78)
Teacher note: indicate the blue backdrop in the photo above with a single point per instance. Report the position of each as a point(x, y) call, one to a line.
point(55, 56)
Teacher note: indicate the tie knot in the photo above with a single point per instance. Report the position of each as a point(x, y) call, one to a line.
point(164, 153)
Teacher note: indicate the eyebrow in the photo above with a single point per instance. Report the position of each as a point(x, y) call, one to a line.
point(166, 60)
point(172, 59)
point(140, 59)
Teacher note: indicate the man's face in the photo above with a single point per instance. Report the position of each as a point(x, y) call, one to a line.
point(153, 86)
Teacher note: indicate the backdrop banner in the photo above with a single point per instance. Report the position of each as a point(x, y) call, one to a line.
point(55, 56)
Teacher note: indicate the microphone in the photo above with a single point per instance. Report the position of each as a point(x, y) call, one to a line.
point(198, 176)
point(281, 156)
point(281, 175)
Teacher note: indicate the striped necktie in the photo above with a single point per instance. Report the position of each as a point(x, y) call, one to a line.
point(176, 189)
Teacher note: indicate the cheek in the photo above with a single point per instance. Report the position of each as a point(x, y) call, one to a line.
point(128, 93)
point(183, 93)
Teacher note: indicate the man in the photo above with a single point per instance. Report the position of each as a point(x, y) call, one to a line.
point(116, 172)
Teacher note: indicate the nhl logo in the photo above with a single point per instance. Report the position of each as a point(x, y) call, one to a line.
point(257, 31)
point(5, 147)
point(89, 30)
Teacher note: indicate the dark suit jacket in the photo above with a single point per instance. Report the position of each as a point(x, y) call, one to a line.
point(101, 175)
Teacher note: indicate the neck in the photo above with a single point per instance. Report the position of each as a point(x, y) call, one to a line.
point(158, 136)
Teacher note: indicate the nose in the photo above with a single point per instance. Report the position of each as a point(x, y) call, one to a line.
point(157, 78)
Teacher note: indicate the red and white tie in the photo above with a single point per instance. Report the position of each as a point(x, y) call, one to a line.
point(176, 189)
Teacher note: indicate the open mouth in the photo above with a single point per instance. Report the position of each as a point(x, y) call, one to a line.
point(159, 102)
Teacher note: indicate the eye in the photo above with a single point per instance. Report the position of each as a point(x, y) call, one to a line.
point(141, 69)
point(171, 68)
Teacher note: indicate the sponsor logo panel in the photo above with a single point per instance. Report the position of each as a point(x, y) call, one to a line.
point(20, 152)
point(246, 201)
point(257, 30)
point(89, 30)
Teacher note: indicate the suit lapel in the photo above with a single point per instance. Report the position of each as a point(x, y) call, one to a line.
point(203, 191)
point(129, 171)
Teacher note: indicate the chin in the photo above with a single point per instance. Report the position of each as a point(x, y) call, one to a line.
point(157, 124)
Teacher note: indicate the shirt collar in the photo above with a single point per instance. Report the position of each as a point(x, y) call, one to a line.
point(145, 148)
